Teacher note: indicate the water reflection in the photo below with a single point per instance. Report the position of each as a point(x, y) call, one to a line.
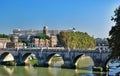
point(8, 70)
point(85, 69)
point(54, 71)
point(39, 71)
point(114, 67)
point(79, 72)
point(30, 70)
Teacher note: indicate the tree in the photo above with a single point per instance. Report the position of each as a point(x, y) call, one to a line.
point(76, 40)
point(42, 36)
point(4, 36)
point(114, 33)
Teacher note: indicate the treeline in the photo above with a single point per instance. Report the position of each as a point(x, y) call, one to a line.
point(4, 36)
point(76, 40)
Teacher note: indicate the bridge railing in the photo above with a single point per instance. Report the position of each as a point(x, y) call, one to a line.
point(8, 49)
point(40, 49)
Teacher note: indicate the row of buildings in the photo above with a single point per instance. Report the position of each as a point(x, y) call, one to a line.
point(29, 35)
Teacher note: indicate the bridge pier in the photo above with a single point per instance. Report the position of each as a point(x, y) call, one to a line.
point(18, 60)
point(99, 65)
point(42, 61)
point(68, 63)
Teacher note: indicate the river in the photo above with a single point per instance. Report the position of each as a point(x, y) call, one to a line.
point(113, 69)
point(84, 69)
point(40, 71)
point(50, 71)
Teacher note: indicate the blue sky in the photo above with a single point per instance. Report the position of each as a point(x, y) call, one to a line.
point(91, 16)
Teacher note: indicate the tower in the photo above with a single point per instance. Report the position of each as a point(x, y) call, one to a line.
point(14, 39)
point(45, 30)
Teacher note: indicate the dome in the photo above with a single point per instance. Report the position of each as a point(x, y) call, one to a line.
point(45, 27)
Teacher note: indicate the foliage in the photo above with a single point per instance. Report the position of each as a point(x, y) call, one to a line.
point(76, 40)
point(20, 41)
point(99, 68)
point(33, 61)
point(114, 33)
point(26, 41)
point(42, 36)
point(4, 36)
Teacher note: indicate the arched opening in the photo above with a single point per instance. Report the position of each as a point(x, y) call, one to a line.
point(112, 65)
point(55, 60)
point(7, 59)
point(30, 59)
point(83, 62)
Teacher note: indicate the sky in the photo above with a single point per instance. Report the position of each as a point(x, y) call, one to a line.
point(91, 16)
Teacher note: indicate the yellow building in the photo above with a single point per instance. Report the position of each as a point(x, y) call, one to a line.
point(3, 42)
point(41, 42)
point(53, 41)
point(14, 45)
point(45, 42)
point(10, 42)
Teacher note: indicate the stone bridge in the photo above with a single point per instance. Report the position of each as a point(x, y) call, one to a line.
point(69, 57)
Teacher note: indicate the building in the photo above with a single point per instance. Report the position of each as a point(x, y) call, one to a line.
point(3, 42)
point(14, 39)
point(11, 42)
point(25, 35)
point(29, 35)
point(45, 30)
point(53, 41)
point(41, 42)
point(14, 45)
point(14, 42)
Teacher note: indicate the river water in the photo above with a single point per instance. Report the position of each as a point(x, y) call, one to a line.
point(113, 69)
point(39, 71)
point(50, 71)
point(84, 69)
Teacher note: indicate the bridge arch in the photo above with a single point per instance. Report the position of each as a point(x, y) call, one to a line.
point(76, 59)
point(28, 56)
point(25, 56)
point(106, 63)
point(49, 58)
point(6, 56)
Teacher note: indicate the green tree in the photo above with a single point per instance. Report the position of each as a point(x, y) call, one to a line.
point(4, 36)
point(114, 40)
point(76, 40)
point(42, 36)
